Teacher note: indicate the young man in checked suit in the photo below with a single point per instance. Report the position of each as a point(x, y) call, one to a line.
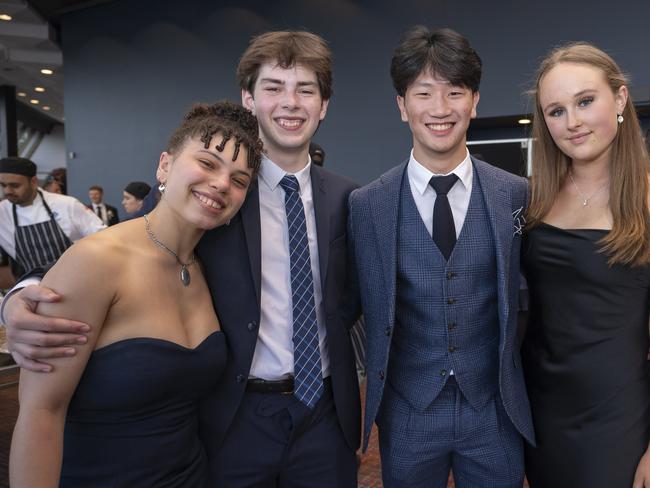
point(436, 244)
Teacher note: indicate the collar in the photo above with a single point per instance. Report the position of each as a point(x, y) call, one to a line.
point(271, 174)
point(420, 176)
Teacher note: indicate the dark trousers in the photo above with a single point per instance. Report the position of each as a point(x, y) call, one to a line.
point(418, 449)
point(276, 441)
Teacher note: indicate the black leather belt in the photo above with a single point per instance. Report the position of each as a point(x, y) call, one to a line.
point(284, 387)
point(257, 385)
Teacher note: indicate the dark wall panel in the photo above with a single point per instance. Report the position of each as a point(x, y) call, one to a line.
point(133, 67)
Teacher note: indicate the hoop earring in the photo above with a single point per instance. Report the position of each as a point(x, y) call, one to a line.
point(620, 119)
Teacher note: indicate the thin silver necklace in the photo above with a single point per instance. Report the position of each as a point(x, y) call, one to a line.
point(185, 273)
point(585, 199)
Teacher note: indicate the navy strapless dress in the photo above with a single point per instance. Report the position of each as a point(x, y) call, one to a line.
point(132, 421)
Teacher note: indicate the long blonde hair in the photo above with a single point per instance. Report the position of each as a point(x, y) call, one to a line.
point(629, 240)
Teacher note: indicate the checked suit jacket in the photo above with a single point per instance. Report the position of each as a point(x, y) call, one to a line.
point(373, 225)
point(231, 255)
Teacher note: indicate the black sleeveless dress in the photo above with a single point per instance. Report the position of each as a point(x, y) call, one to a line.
point(585, 361)
point(132, 421)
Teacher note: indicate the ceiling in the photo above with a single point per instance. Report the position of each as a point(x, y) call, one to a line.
point(29, 42)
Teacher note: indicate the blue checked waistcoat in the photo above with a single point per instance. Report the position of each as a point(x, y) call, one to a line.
point(446, 314)
point(404, 300)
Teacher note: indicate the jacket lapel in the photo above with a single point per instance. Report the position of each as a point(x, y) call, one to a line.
point(498, 204)
point(321, 211)
point(384, 209)
point(250, 214)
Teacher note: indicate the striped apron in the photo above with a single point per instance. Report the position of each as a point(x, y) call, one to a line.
point(39, 244)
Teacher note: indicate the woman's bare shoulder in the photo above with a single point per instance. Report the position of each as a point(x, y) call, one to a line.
point(101, 255)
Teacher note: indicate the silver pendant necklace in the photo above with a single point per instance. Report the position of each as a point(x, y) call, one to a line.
point(185, 272)
point(585, 199)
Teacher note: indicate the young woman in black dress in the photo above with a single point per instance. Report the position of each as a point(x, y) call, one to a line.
point(586, 256)
point(127, 401)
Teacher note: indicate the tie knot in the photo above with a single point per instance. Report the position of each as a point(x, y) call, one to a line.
point(290, 184)
point(442, 184)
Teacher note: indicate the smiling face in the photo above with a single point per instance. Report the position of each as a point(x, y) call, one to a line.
point(438, 114)
point(95, 196)
point(580, 110)
point(205, 186)
point(289, 107)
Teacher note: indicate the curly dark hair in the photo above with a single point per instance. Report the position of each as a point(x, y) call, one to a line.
point(229, 119)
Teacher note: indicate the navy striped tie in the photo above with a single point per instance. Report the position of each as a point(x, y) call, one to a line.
point(308, 379)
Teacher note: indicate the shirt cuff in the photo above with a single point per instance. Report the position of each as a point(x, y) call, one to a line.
point(17, 287)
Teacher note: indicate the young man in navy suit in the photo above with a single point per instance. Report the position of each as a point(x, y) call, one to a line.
point(436, 244)
point(286, 412)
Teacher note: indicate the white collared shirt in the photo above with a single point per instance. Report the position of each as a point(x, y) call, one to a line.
point(425, 196)
point(102, 211)
point(273, 358)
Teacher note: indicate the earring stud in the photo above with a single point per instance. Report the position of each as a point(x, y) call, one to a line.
point(620, 119)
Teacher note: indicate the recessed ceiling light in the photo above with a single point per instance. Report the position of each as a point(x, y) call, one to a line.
point(45, 107)
point(39, 89)
point(34, 101)
point(5, 17)
point(47, 71)
point(21, 94)
point(524, 121)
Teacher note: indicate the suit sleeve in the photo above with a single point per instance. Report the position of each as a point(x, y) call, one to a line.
point(352, 301)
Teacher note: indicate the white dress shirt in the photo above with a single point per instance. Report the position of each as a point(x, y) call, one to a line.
point(273, 358)
point(102, 211)
point(425, 196)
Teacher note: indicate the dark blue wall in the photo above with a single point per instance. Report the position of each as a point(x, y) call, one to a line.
point(133, 67)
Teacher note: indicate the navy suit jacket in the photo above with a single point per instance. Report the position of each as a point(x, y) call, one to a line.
point(373, 237)
point(231, 256)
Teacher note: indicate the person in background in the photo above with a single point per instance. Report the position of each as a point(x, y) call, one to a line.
point(104, 211)
point(52, 185)
point(586, 258)
point(128, 401)
point(132, 197)
point(36, 226)
point(317, 154)
point(56, 181)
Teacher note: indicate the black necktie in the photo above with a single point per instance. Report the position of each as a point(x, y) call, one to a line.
point(98, 211)
point(444, 231)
